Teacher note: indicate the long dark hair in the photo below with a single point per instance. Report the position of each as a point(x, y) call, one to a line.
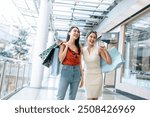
point(77, 40)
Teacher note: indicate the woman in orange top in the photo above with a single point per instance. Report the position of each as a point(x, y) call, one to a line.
point(70, 57)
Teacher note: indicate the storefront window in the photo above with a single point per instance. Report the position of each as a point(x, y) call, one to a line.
point(137, 52)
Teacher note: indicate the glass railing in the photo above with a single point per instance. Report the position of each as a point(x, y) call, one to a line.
point(14, 75)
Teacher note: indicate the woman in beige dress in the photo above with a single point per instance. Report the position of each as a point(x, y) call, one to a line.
point(92, 73)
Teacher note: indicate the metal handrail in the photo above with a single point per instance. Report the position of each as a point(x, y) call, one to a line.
point(9, 81)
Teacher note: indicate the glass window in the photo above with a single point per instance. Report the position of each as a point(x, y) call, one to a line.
point(137, 52)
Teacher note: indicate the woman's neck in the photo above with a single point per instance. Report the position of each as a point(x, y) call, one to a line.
point(90, 46)
point(71, 42)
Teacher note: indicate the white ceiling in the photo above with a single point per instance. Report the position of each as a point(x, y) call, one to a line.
point(83, 13)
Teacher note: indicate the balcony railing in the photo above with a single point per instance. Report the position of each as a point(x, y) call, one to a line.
point(14, 75)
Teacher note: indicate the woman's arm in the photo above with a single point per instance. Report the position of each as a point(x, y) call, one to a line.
point(104, 54)
point(81, 70)
point(63, 51)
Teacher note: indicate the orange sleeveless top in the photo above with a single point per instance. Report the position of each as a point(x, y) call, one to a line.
point(72, 58)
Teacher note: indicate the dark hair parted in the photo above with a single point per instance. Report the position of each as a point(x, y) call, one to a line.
point(90, 33)
point(77, 40)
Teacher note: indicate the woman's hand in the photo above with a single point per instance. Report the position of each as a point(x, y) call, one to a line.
point(102, 49)
point(66, 45)
point(81, 83)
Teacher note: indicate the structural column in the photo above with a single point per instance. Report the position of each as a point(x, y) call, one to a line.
point(40, 44)
point(127, 59)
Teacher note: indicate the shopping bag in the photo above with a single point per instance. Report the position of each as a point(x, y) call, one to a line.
point(117, 61)
point(55, 65)
point(47, 55)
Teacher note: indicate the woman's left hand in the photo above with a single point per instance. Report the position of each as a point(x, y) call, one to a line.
point(81, 83)
point(102, 49)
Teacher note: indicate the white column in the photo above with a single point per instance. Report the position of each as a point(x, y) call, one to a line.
point(40, 44)
point(50, 38)
point(127, 59)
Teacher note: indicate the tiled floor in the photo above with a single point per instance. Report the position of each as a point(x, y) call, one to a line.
point(49, 91)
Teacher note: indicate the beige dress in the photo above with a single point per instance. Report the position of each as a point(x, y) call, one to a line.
point(92, 73)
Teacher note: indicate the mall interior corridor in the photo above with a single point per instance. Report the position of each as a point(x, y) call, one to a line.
point(49, 92)
point(29, 27)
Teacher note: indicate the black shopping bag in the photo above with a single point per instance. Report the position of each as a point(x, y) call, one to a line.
point(47, 55)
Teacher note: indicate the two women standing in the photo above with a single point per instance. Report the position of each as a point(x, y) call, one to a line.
point(72, 74)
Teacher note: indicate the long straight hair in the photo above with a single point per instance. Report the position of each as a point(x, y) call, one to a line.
point(77, 40)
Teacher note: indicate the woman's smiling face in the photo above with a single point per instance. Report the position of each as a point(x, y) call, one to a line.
point(91, 39)
point(74, 33)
